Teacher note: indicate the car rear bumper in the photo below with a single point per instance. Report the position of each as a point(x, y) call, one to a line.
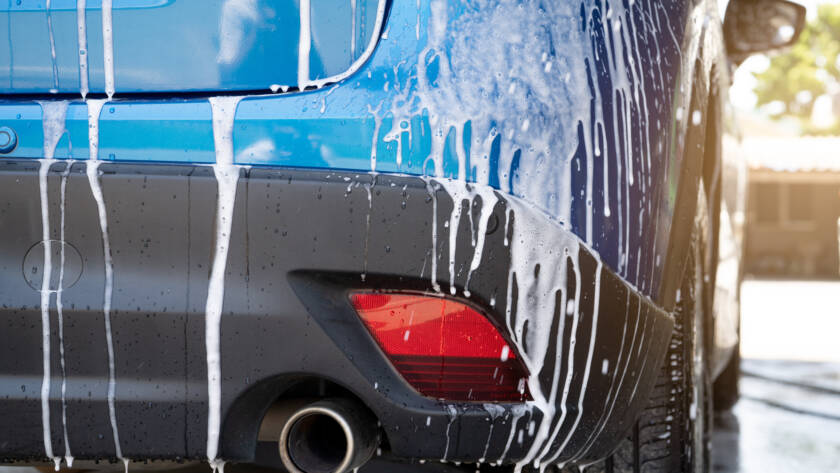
point(301, 240)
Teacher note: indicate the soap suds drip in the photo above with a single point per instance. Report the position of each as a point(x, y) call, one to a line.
point(458, 195)
point(517, 411)
point(81, 26)
point(453, 415)
point(59, 305)
point(92, 171)
point(46, 275)
point(357, 64)
point(227, 176)
point(644, 357)
point(461, 192)
point(377, 123)
point(108, 46)
point(488, 203)
point(53, 122)
point(48, 10)
point(495, 411)
point(353, 31)
point(417, 26)
point(368, 189)
point(615, 388)
point(535, 305)
point(586, 372)
point(304, 44)
point(54, 114)
point(430, 188)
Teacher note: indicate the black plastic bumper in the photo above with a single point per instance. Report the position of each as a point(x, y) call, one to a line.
point(301, 239)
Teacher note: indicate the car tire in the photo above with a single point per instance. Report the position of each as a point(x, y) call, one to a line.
point(726, 391)
point(673, 434)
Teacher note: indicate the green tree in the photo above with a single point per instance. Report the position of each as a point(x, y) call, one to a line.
point(807, 70)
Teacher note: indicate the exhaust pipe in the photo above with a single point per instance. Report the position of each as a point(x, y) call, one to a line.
point(326, 436)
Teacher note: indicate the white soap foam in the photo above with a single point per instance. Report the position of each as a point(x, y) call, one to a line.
point(227, 176)
point(92, 172)
point(377, 123)
point(368, 189)
point(535, 305)
point(59, 305)
point(53, 122)
point(353, 30)
point(108, 46)
point(453, 415)
point(615, 389)
point(495, 411)
point(52, 47)
point(54, 114)
point(45, 305)
point(517, 411)
point(81, 27)
point(304, 44)
point(431, 188)
point(544, 454)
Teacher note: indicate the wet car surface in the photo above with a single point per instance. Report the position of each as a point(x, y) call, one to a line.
point(224, 258)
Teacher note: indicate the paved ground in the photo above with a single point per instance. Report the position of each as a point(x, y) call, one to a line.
point(781, 425)
point(788, 419)
point(791, 320)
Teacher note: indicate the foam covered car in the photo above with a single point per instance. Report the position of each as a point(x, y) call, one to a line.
point(322, 235)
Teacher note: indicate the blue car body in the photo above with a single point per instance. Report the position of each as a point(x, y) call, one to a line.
point(587, 119)
point(363, 122)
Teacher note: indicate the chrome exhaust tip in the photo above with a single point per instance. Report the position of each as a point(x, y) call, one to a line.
point(327, 436)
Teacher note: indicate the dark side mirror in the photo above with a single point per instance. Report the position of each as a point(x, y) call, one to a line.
point(757, 26)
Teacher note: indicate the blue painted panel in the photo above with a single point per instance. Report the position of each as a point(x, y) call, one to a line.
point(583, 116)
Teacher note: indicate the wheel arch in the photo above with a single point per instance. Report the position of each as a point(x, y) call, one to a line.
point(701, 163)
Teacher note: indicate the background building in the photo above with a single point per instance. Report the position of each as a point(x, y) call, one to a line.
point(794, 207)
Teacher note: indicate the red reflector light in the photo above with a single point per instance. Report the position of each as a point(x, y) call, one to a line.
point(443, 348)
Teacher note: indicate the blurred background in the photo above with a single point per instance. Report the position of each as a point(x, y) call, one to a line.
point(788, 110)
